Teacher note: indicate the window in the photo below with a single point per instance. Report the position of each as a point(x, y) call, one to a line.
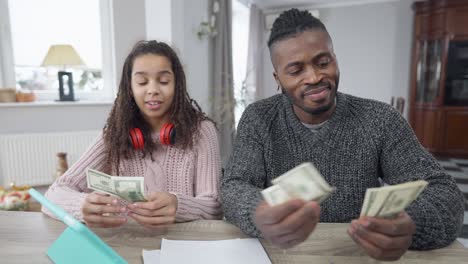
point(35, 25)
point(240, 37)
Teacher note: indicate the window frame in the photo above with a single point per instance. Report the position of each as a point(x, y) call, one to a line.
point(7, 70)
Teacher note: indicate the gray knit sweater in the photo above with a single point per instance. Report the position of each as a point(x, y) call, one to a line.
point(362, 141)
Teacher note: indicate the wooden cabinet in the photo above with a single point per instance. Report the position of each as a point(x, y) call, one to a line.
point(439, 76)
point(455, 124)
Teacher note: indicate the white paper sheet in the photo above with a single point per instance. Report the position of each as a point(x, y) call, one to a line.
point(152, 256)
point(233, 251)
point(464, 242)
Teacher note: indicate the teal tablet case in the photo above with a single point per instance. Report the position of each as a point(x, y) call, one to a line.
point(77, 244)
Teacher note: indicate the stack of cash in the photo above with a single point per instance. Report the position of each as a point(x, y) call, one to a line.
point(388, 201)
point(302, 182)
point(130, 189)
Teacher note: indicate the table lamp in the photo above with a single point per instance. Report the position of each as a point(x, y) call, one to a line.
point(63, 55)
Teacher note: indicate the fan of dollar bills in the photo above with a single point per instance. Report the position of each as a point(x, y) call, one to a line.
point(390, 200)
point(130, 189)
point(302, 182)
point(305, 182)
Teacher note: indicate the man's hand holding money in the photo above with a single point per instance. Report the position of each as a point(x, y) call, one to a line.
point(159, 210)
point(291, 209)
point(289, 223)
point(383, 239)
point(384, 230)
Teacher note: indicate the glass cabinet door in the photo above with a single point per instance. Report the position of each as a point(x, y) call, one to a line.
point(456, 81)
point(428, 70)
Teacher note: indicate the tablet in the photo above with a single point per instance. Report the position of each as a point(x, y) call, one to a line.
point(77, 244)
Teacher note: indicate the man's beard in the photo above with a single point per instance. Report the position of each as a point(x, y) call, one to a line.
point(313, 111)
point(319, 110)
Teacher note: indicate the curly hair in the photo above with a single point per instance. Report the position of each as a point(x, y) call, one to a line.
point(291, 22)
point(185, 113)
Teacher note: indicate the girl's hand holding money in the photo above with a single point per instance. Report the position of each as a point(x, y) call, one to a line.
point(383, 239)
point(99, 210)
point(160, 209)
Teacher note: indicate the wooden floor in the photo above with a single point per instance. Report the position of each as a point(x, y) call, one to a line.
point(458, 169)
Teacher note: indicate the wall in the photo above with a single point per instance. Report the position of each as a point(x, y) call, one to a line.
point(129, 25)
point(159, 20)
point(402, 50)
point(174, 21)
point(60, 117)
point(23, 118)
point(194, 52)
point(177, 24)
point(372, 43)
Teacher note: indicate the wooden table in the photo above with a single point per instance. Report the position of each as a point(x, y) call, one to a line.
point(25, 237)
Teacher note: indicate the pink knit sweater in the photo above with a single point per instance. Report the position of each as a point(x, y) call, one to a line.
point(193, 175)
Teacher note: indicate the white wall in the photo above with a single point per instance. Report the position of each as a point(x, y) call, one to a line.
point(174, 21)
point(43, 118)
point(159, 20)
point(129, 27)
point(402, 50)
point(372, 43)
point(193, 52)
point(177, 24)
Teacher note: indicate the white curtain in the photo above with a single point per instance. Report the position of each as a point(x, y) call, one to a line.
point(253, 79)
point(7, 70)
point(222, 93)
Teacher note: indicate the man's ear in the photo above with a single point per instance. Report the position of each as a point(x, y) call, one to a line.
point(277, 80)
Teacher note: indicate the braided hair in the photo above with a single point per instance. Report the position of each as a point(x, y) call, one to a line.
point(185, 113)
point(292, 22)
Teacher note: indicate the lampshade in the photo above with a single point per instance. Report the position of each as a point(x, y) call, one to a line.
point(61, 55)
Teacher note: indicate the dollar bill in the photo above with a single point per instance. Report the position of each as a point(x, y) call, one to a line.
point(302, 182)
point(388, 201)
point(130, 189)
point(275, 195)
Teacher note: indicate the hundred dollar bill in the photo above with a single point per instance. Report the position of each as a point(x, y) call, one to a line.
point(130, 189)
point(302, 182)
point(388, 201)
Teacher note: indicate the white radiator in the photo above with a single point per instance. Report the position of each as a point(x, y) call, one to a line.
point(30, 159)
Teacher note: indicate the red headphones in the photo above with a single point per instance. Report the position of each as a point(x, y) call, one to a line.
point(166, 136)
